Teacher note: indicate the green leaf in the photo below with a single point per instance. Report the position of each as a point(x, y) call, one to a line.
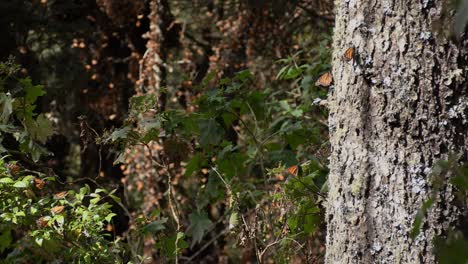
point(208, 77)
point(59, 219)
point(418, 220)
point(109, 217)
point(120, 158)
point(152, 134)
point(297, 112)
point(233, 220)
point(154, 226)
point(5, 239)
point(170, 246)
point(211, 133)
point(33, 149)
point(39, 240)
point(120, 134)
point(292, 222)
point(6, 180)
point(194, 164)
point(451, 249)
point(44, 129)
point(115, 198)
point(285, 105)
point(244, 75)
point(32, 91)
point(21, 184)
point(199, 225)
point(292, 73)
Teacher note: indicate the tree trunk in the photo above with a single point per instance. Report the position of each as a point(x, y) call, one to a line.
point(395, 109)
point(142, 174)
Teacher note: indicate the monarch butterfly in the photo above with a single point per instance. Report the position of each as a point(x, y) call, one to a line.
point(57, 209)
point(13, 168)
point(60, 195)
point(349, 54)
point(39, 183)
point(43, 221)
point(293, 170)
point(325, 80)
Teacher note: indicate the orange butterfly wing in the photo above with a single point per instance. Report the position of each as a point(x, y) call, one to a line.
point(60, 195)
point(349, 54)
point(57, 209)
point(39, 183)
point(293, 170)
point(325, 80)
point(43, 221)
point(14, 168)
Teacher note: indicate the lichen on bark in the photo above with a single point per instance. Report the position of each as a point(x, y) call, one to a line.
point(392, 116)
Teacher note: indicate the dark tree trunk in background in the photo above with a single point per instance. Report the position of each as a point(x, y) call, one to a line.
point(142, 175)
point(395, 110)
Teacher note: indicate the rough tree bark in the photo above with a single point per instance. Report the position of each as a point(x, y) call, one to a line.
point(396, 108)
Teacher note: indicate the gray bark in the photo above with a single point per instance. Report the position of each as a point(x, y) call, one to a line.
point(395, 109)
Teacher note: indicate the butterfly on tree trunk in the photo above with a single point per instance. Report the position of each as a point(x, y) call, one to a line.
point(324, 80)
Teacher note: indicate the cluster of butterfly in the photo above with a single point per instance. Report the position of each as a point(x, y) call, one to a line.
point(44, 221)
point(326, 79)
point(39, 183)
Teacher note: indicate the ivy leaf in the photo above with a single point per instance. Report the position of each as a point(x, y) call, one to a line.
point(199, 225)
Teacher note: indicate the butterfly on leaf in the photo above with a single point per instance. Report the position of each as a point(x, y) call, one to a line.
point(293, 170)
point(57, 209)
point(43, 221)
point(13, 168)
point(324, 80)
point(60, 195)
point(349, 54)
point(39, 183)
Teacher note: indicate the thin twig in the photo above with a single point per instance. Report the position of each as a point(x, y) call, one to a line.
point(276, 242)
